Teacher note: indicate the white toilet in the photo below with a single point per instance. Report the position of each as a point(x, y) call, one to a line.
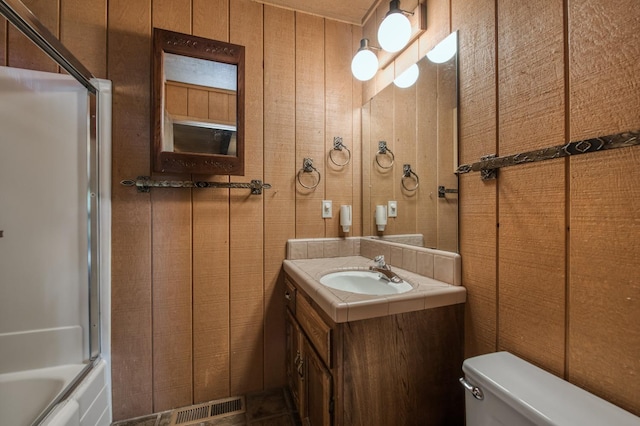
point(506, 390)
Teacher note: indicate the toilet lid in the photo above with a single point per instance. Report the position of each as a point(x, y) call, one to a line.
point(541, 396)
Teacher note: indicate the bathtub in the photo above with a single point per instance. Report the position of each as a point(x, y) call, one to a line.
point(25, 394)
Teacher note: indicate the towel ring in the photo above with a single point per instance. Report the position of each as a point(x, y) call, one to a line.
point(407, 173)
point(307, 167)
point(338, 146)
point(383, 150)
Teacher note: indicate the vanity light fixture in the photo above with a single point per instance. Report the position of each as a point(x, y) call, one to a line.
point(408, 77)
point(393, 38)
point(364, 64)
point(444, 50)
point(395, 30)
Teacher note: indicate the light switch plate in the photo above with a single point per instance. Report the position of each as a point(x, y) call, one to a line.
point(327, 209)
point(392, 209)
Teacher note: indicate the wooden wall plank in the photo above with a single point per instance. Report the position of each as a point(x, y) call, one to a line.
point(310, 123)
point(369, 31)
point(426, 150)
point(477, 67)
point(22, 53)
point(405, 150)
point(172, 295)
point(198, 103)
point(531, 75)
point(478, 214)
point(210, 295)
point(438, 25)
point(478, 239)
point(382, 179)
point(447, 223)
point(279, 202)
point(211, 317)
point(367, 169)
point(338, 120)
point(84, 33)
point(531, 211)
point(3, 41)
point(246, 212)
point(604, 296)
point(531, 311)
point(604, 50)
point(356, 150)
point(173, 15)
point(172, 269)
point(218, 104)
point(211, 19)
point(128, 59)
point(176, 99)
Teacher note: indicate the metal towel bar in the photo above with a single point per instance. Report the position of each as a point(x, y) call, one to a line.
point(488, 165)
point(144, 184)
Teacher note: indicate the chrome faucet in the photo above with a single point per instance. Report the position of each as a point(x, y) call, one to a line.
point(385, 270)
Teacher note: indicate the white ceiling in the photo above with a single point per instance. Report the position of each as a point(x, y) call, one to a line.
point(350, 11)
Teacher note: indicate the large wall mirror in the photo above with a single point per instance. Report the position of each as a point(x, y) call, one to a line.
point(419, 126)
point(198, 104)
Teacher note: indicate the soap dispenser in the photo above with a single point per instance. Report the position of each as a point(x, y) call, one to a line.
point(381, 217)
point(345, 218)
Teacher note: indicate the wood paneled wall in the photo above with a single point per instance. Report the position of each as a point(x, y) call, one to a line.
point(549, 250)
point(196, 291)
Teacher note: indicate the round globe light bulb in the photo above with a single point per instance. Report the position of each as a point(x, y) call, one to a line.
point(394, 32)
point(407, 78)
point(364, 65)
point(444, 50)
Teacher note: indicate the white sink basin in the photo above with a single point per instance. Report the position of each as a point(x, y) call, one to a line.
point(363, 282)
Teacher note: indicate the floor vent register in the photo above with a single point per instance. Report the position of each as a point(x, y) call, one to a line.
point(207, 411)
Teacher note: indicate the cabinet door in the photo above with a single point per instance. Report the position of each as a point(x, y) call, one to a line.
point(295, 362)
point(319, 391)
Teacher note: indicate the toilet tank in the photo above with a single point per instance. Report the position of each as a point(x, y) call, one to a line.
point(512, 392)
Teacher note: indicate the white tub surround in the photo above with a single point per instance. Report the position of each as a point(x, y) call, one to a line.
point(24, 394)
point(88, 404)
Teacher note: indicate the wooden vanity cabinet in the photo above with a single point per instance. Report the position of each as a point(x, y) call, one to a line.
point(308, 376)
point(399, 369)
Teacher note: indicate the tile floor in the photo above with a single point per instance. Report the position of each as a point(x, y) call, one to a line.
point(270, 408)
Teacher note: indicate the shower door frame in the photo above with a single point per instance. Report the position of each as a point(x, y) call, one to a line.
point(27, 23)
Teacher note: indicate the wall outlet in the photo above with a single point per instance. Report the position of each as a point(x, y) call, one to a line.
point(392, 209)
point(327, 209)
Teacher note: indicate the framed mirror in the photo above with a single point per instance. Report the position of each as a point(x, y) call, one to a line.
point(198, 105)
point(419, 125)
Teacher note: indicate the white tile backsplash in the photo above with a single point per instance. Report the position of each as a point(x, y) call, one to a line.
point(437, 264)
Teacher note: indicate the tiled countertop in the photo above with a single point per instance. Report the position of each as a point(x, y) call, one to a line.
point(343, 306)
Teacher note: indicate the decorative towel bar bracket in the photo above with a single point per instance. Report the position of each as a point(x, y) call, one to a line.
point(442, 191)
point(144, 184)
point(489, 165)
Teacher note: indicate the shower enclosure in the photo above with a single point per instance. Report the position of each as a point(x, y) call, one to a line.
point(54, 238)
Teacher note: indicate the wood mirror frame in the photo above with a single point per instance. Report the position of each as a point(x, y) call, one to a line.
point(189, 46)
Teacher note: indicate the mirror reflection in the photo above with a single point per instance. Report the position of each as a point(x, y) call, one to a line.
point(200, 113)
point(419, 125)
point(198, 104)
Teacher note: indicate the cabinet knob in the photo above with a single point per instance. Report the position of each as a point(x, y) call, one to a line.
point(287, 295)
